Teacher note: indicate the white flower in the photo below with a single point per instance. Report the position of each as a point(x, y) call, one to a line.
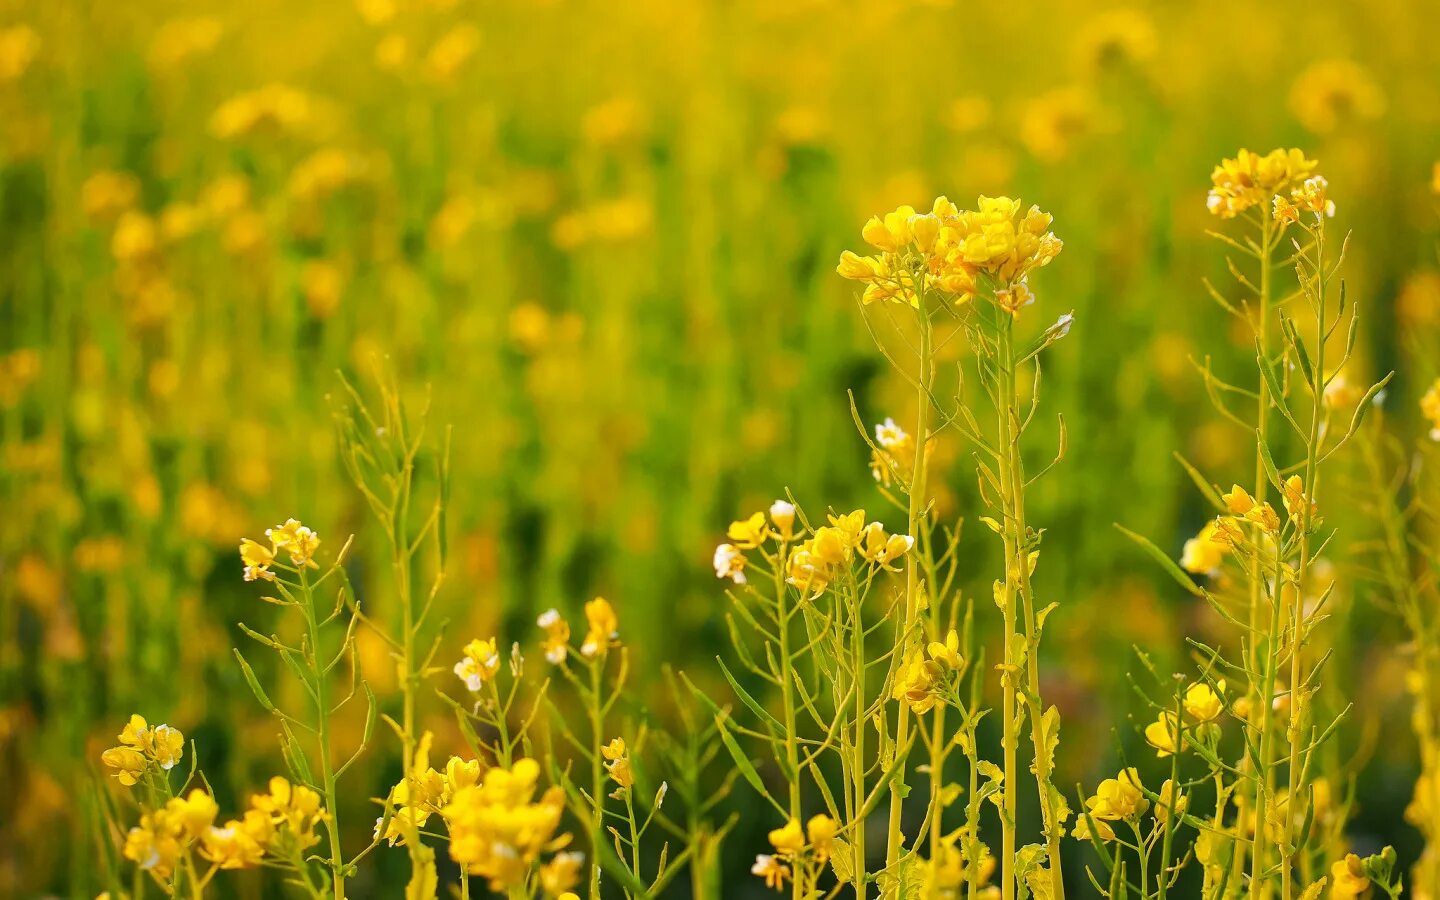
point(729, 563)
point(888, 434)
point(548, 618)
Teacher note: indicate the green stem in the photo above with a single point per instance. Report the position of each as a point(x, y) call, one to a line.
point(597, 777)
point(915, 523)
point(322, 706)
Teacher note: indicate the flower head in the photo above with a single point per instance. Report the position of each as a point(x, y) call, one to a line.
point(729, 563)
point(604, 627)
point(557, 636)
point(479, 664)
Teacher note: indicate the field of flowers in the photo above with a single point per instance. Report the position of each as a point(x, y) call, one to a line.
point(570, 449)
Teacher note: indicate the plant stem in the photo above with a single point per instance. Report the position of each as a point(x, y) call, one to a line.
point(597, 777)
point(322, 730)
point(915, 523)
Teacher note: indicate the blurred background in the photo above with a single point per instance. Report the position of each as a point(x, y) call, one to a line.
point(602, 236)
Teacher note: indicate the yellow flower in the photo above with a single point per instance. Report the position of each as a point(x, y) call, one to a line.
point(194, 814)
point(617, 763)
point(604, 627)
point(729, 563)
point(232, 846)
point(497, 829)
point(479, 664)
point(1204, 553)
point(257, 559)
point(1264, 515)
point(1203, 703)
point(1335, 92)
point(19, 45)
point(915, 682)
point(154, 845)
point(130, 764)
point(1430, 409)
point(1103, 831)
point(782, 516)
point(297, 540)
point(295, 809)
point(1170, 798)
point(749, 533)
point(557, 636)
point(820, 831)
point(1297, 503)
point(1348, 878)
point(1238, 500)
point(788, 840)
point(882, 549)
point(947, 654)
point(561, 873)
point(1251, 179)
point(1119, 798)
point(772, 870)
point(1163, 733)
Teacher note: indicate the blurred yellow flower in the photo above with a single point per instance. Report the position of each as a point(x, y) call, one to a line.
point(1335, 92)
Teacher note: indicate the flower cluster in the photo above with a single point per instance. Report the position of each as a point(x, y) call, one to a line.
point(1202, 705)
point(1251, 180)
point(1121, 798)
point(794, 845)
point(292, 538)
point(166, 834)
point(429, 791)
point(947, 874)
point(926, 671)
point(143, 747)
point(602, 632)
point(952, 250)
point(1311, 196)
point(617, 763)
point(498, 830)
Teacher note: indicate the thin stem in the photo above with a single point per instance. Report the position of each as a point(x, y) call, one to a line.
point(322, 730)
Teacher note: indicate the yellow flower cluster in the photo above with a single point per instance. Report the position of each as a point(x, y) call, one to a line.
point(1251, 180)
point(166, 834)
point(894, 456)
point(293, 538)
point(602, 632)
point(925, 671)
point(792, 844)
point(497, 828)
point(946, 876)
point(1116, 799)
point(1202, 704)
point(142, 747)
point(429, 791)
point(958, 252)
point(813, 563)
point(1311, 196)
point(274, 108)
point(617, 763)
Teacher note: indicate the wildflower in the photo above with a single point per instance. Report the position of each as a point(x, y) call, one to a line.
point(1203, 553)
point(820, 831)
point(882, 549)
point(782, 516)
point(154, 844)
point(947, 654)
point(257, 559)
point(1118, 798)
point(915, 683)
point(1348, 878)
point(604, 627)
point(1203, 703)
point(479, 664)
point(19, 45)
point(1334, 92)
point(1430, 409)
point(234, 845)
point(896, 453)
point(772, 870)
point(788, 840)
point(891, 436)
point(557, 636)
point(1170, 799)
point(1164, 734)
point(130, 764)
point(1264, 515)
point(296, 539)
point(749, 533)
point(1297, 504)
point(1238, 500)
point(1102, 829)
point(561, 873)
point(729, 563)
point(273, 108)
point(106, 194)
point(617, 763)
point(1311, 196)
point(295, 809)
point(194, 813)
point(1251, 179)
point(498, 829)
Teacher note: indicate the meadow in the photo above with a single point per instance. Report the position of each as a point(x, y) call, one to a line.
point(719, 449)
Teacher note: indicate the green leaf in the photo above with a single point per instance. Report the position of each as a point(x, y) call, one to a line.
point(1168, 564)
point(744, 695)
point(254, 682)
